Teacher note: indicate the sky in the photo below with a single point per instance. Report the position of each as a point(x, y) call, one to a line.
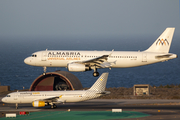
point(87, 18)
point(27, 26)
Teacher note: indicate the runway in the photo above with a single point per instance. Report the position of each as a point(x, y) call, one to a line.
point(157, 109)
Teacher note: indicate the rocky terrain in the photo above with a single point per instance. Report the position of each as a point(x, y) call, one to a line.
point(156, 92)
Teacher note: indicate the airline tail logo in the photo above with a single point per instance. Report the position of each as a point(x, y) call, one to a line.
point(162, 42)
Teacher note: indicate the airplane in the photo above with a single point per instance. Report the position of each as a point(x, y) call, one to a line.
point(80, 61)
point(44, 98)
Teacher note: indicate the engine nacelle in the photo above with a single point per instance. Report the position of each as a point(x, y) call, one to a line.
point(76, 67)
point(38, 104)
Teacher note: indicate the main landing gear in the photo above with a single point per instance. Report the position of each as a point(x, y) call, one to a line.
point(95, 73)
point(53, 106)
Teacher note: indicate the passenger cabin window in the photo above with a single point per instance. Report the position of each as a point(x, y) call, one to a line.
point(8, 96)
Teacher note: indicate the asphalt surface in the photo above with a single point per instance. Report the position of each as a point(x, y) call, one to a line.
point(158, 109)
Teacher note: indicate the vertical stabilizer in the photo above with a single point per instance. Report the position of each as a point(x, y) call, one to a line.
point(100, 84)
point(163, 43)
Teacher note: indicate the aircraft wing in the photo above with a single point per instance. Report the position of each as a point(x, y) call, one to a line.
point(107, 64)
point(100, 59)
point(99, 62)
point(52, 99)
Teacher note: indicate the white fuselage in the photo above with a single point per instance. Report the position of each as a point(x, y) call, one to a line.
point(56, 58)
point(43, 98)
point(78, 61)
point(62, 96)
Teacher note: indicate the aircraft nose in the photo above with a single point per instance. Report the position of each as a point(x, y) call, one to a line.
point(3, 99)
point(27, 60)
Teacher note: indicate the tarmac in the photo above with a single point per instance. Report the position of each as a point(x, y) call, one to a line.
point(152, 109)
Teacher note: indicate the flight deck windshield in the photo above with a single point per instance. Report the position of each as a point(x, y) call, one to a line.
point(8, 96)
point(34, 55)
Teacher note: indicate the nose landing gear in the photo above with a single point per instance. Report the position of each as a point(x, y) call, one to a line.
point(16, 105)
point(45, 68)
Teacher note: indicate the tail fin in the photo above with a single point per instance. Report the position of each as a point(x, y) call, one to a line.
point(100, 84)
point(163, 43)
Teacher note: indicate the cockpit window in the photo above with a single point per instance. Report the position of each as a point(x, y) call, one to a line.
point(34, 55)
point(8, 96)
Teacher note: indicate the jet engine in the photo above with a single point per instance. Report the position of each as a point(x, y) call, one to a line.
point(38, 104)
point(76, 67)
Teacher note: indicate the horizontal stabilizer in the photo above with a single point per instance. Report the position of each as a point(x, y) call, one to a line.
point(104, 92)
point(166, 56)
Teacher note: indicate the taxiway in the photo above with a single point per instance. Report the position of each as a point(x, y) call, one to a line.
point(158, 109)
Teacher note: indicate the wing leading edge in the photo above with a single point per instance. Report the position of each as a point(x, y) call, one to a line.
point(52, 99)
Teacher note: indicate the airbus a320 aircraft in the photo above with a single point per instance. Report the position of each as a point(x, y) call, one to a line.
point(44, 98)
point(79, 61)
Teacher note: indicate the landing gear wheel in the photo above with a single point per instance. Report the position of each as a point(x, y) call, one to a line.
point(53, 106)
point(95, 74)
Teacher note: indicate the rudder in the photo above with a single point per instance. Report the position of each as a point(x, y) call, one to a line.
point(100, 84)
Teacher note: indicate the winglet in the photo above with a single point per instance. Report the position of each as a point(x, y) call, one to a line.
point(111, 52)
point(100, 84)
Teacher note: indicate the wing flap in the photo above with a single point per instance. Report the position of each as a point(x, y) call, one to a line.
point(107, 64)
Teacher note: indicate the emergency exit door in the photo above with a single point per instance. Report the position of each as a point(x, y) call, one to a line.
point(144, 57)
